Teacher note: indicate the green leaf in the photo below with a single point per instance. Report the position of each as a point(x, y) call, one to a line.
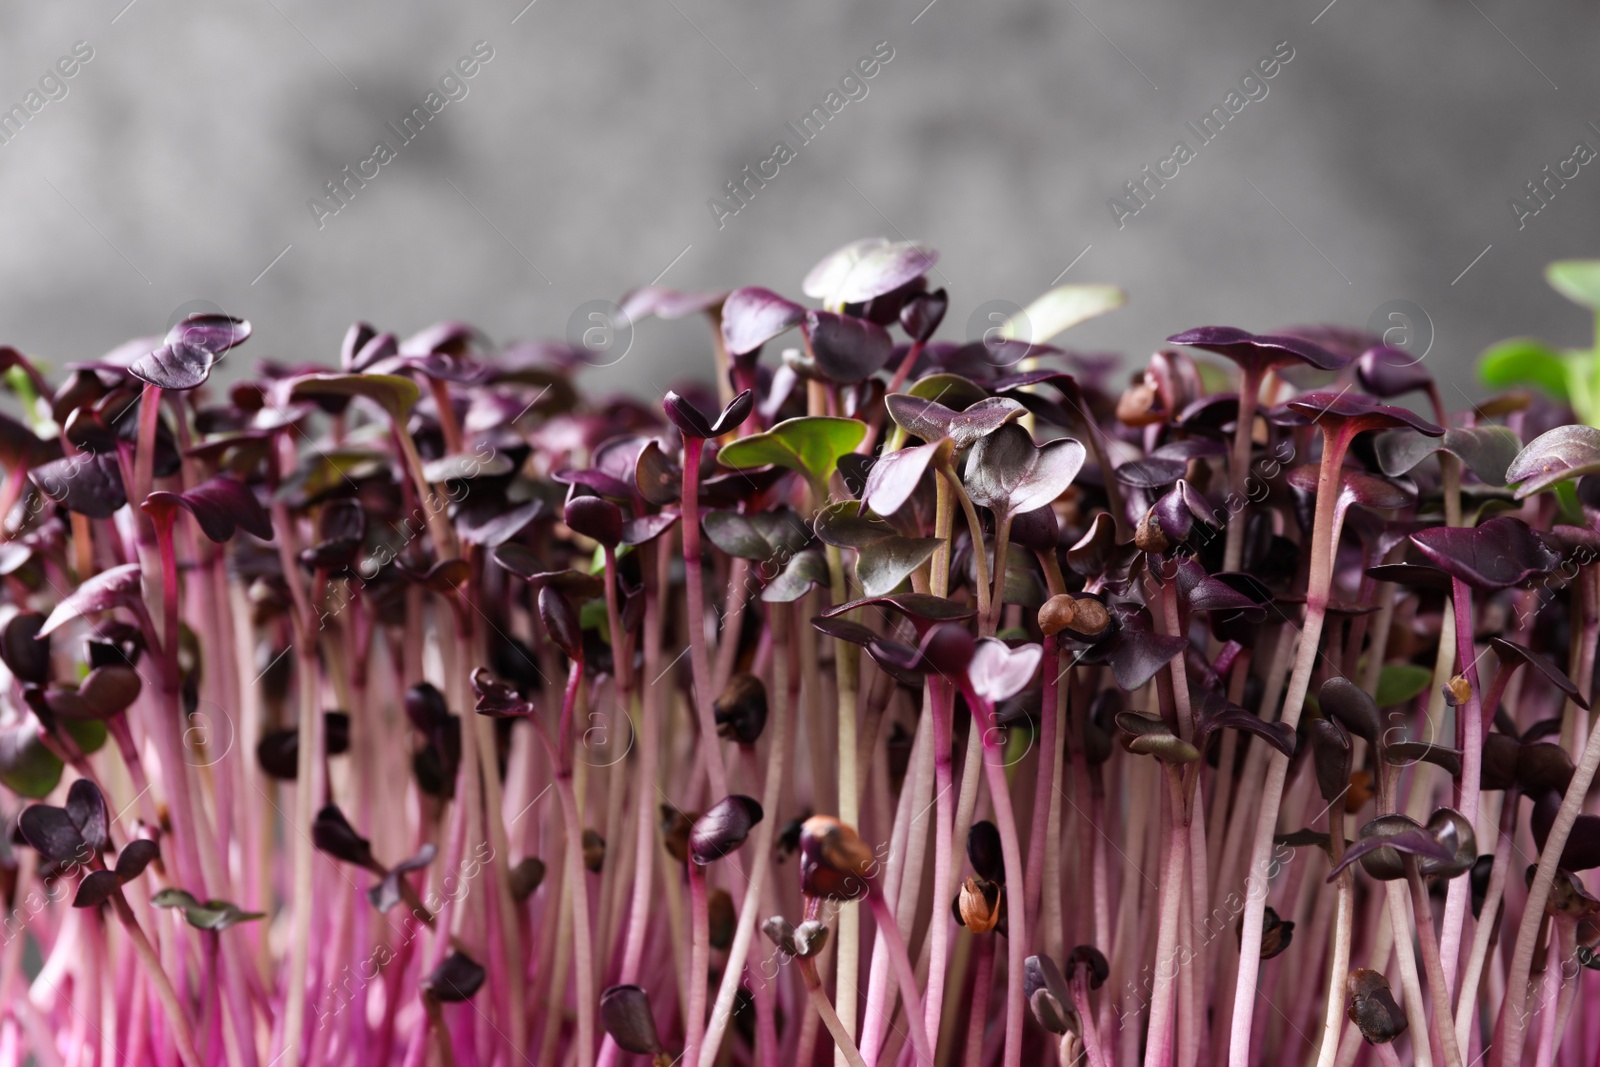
point(1524, 361)
point(951, 390)
point(1576, 279)
point(810, 445)
point(395, 394)
point(212, 915)
point(27, 768)
point(1060, 309)
point(90, 734)
point(1400, 682)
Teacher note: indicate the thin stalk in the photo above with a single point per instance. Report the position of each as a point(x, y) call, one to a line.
point(847, 677)
point(1159, 1039)
point(980, 557)
point(982, 989)
point(694, 1015)
point(1443, 1028)
point(1011, 848)
point(830, 1019)
point(1336, 441)
point(777, 756)
point(907, 976)
point(1400, 924)
point(1512, 1019)
point(649, 755)
point(694, 596)
point(1239, 466)
point(157, 977)
point(1469, 718)
point(1339, 960)
point(941, 699)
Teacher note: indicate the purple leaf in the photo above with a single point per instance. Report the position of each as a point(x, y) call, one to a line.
point(923, 609)
point(96, 888)
point(1008, 473)
point(804, 571)
point(1137, 655)
point(387, 893)
point(220, 506)
point(753, 316)
point(134, 858)
point(332, 833)
point(1256, 352)
point(1415, 840)
point(1360, 413)
point(1555, 456)
point(595, 518)
point(114, 588)
point(647, 528)
point(495, 698)
point(847, 349)
point(1389, 372)
point(932, 421)
point(665, 303)
point(1497, 555)
point(88, 484)
point(561, 622)
point(26, 657)
point(895, 476)
point(921, 315)
point(1488, 451)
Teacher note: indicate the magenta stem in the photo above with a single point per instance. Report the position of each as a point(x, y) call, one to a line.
point(694, 594)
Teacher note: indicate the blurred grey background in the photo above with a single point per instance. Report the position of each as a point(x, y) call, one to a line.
point(177, 164)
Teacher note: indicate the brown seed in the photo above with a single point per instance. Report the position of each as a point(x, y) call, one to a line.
point(675, 829)
point(1138, 405)
point(1149, 537)
point(1057, 614)
point(594, 851)
point(1092, 617)
point(1360, 792)
point(723, 919)
point(979, 905)
point(1458, 691)
point(1371, 1006)
point(834, 862)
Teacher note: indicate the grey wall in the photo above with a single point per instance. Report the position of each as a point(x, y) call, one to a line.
point(580, 162)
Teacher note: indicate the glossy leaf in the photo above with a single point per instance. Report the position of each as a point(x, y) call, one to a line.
point(396, 395)
point(846, 349)
point(932, 421)
point(1008, 473)
point(896, 476)
point(803, 572)
point(1555, 456)
point(811, 445)
point(87, 484)
point(1256, 352)
point(1497, 555)
point(1488, 451)
point(752, 316)
point(113, 588)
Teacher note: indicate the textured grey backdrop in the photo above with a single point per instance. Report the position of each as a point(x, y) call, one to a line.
point(177, 163)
